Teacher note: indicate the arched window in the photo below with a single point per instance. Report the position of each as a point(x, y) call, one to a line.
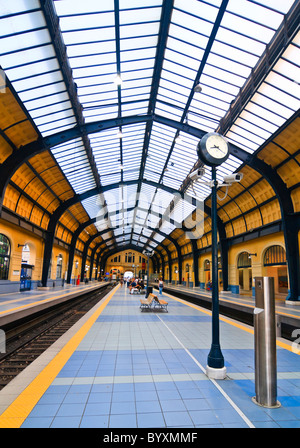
point(59, 266)
point(4, 257)
point(207, 265)
point(275, 256)
point(129, 257)
point(219, 263)
point(244, 260)
point(26, 254)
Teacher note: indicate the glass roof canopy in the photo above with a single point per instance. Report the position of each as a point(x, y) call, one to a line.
point(160, 50)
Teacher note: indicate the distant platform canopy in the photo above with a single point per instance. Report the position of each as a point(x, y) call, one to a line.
point(102, 105)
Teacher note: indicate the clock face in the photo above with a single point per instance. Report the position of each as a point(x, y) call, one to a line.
point(216, 146)
point(213, 149)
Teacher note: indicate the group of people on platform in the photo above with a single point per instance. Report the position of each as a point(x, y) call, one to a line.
point(139, 284)
point(133, 283)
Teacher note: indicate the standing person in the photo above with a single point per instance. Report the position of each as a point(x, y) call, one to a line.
point(160, 285)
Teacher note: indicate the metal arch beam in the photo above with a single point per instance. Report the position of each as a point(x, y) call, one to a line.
point(17, 158)
point(115, 251)
point(86, 248)
point(161, 245)
point(52, 21)
point(12, 163)
point(120, 248)
point(79, 198)
point(163, 34)
point(80, 229)
point(101, 252)
point(287, 213)
point(26, 152)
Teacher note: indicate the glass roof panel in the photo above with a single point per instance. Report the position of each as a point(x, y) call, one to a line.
point(101, 42)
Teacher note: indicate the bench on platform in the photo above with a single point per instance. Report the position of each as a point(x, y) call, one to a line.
point(147, 303)
point(153, 302)
point(161, 304)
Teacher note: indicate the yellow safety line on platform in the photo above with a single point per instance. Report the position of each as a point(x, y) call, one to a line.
point(89, 288)
point(18, 411)
point(235, 324)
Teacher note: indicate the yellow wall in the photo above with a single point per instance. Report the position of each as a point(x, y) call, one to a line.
point(258, 246)
point(123, 267)
point(16, 236)
point(21, 236)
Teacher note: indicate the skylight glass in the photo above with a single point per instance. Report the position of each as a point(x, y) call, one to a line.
point(103, 39)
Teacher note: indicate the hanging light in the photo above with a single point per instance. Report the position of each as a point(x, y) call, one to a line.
point(118, 80)
point(198, 88)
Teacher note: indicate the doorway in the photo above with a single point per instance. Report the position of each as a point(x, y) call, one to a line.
point(26, 274)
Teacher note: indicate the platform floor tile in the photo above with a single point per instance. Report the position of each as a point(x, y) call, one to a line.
point(147, 370)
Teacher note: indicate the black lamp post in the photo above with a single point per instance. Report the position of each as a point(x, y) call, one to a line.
point(148, 255)
point(215, 359)
point(213, 150)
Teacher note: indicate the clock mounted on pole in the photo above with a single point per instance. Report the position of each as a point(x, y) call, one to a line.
point(213, 150)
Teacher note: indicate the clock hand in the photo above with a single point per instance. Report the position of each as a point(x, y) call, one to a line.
point(217, 147)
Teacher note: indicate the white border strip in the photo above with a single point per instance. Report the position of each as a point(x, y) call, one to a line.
point(238, 410)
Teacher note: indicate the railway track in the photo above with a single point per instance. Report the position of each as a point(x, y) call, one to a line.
point(286, 325)
point(31, 337)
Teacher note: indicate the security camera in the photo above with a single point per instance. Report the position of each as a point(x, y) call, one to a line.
point(197, 174)
point(233, 178)
point(198, 88)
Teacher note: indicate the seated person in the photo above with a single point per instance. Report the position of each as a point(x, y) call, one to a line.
point(132, 285)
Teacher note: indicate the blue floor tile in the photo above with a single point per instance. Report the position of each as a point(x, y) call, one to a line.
point(71, 410)
point(75, 398)
point(171, 405)
point(42, 410)
point(38, 422)
point(178, 419)
point(97, 409)
point(123, 407)
point(123, 396)
point(147, 406)
point(197, 404)
point(94, 421)
point(161, 399)
point(123, 421)
point(147, 395)
point(168, 395)
point(150, 420)
point(52, 398)
point(66, 422)
point(100, 397)
point(204, 417)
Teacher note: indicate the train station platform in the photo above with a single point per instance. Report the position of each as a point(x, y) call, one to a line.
point(17, 305)
point(120, 367)
point(282, 306)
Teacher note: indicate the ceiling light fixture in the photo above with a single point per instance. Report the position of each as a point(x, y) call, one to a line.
point(198, 88)
point(118, 80)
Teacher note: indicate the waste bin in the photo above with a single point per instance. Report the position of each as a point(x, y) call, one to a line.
point(149, 290)
point(265, 343)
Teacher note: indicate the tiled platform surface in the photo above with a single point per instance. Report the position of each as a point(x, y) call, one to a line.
point(136, 369)
point(15, 301)
point(282, 306)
